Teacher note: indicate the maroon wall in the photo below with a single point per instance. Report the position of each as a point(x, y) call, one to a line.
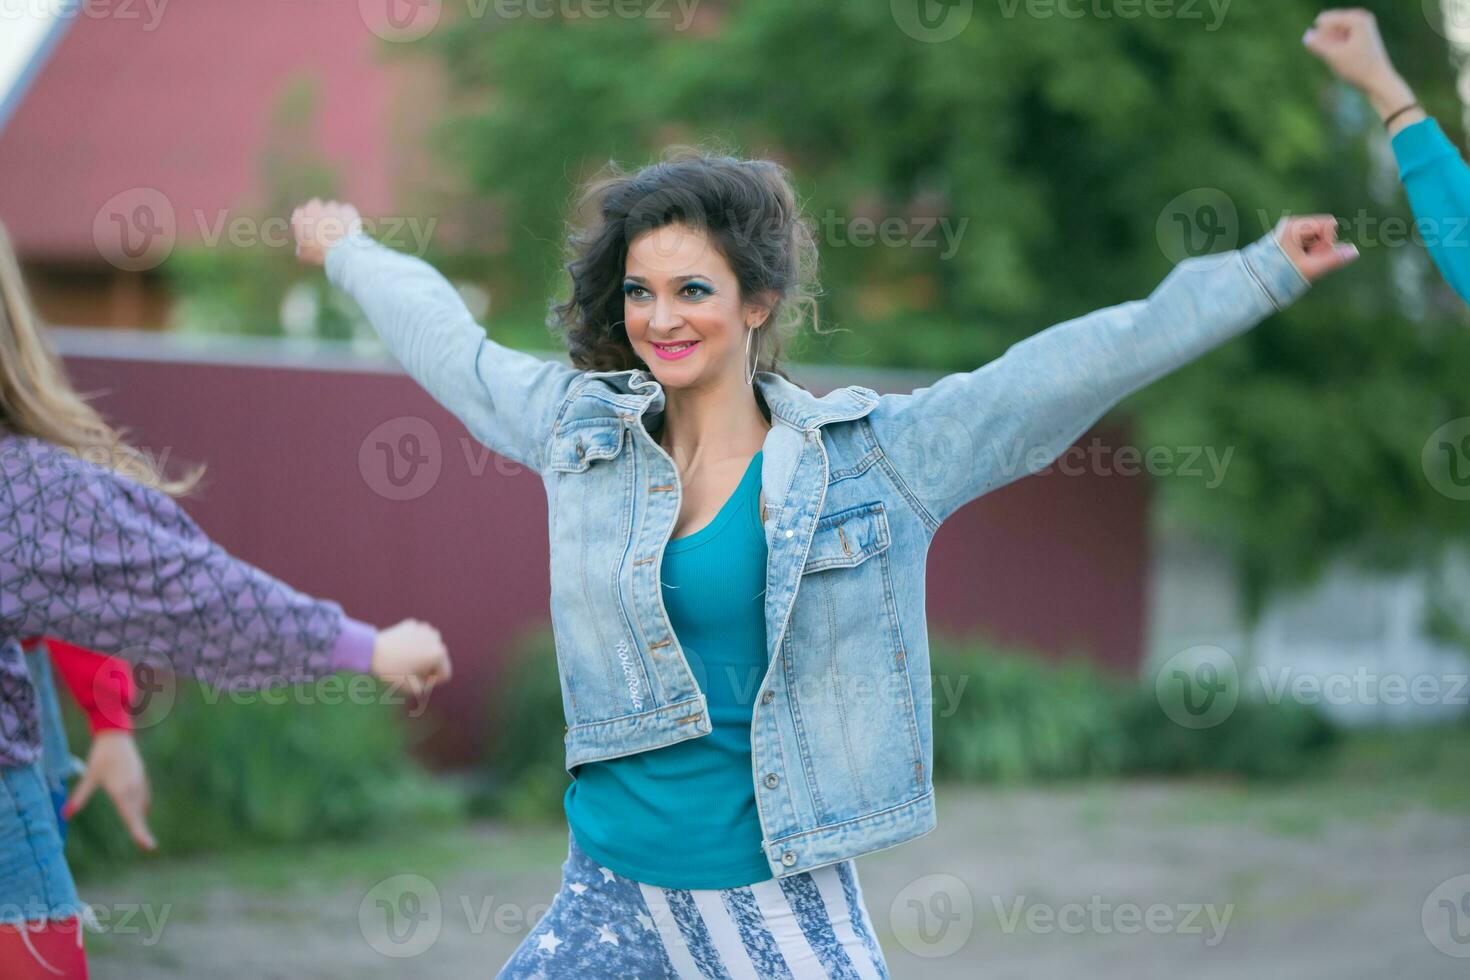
point(295, 485)
point(1056, 563)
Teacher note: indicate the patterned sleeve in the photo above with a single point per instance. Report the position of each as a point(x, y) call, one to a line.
point(95, 559)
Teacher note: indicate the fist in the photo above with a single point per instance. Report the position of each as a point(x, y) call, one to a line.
point(1349, 42)
point(318, 226)
point(411, 656)
point(1311, 243)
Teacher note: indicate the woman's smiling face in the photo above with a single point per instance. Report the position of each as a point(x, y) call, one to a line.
point(682, 308)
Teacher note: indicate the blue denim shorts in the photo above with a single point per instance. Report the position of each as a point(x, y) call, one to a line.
point(35, 883)
point(601, 924)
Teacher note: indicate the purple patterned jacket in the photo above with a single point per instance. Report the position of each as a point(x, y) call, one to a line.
point(93, 558)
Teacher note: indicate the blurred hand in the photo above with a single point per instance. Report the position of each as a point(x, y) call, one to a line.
point(318, 226)
point(114, 764)
point(411, 656)
point(1310, 241)
point(1349, 42)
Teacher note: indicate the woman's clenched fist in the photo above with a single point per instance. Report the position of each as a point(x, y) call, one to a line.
point(317, 225)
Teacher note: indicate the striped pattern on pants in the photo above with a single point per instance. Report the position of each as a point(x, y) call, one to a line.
point(602, 924)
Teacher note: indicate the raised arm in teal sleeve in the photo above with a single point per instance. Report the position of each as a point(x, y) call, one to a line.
point(1438, 183)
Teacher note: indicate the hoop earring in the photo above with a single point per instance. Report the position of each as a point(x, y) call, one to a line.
point(751, 364)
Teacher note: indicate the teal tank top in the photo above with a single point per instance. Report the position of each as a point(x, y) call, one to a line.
point(684, 815)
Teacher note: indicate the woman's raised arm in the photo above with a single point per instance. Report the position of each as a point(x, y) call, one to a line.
point(974, 431)
point(507, 399)
point(1433, 171)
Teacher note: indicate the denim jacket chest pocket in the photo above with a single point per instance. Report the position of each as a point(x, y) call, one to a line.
point(581, 443)
point(847, 538)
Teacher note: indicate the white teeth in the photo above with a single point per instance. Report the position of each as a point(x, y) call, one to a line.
point(675, 347)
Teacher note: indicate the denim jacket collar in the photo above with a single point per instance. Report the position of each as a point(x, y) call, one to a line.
point(636, 388)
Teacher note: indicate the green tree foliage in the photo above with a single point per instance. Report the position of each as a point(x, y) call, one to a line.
point(238, 283)
point(1057, 148)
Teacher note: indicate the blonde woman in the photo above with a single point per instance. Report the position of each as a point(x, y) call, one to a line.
point(94, 550)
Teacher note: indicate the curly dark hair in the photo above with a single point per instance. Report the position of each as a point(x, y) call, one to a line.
point(747, 208)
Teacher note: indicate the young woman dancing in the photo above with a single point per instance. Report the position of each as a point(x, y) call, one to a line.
point(737, 565)
point(102, 556)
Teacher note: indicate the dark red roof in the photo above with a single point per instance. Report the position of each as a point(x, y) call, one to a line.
point(182, 106)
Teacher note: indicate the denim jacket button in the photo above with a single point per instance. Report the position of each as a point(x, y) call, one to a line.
point(768, 697)
point(789, 858)
point(790, 533)
point(772, 779)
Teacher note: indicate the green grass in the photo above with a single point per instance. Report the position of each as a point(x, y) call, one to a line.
point(327, 866)
point(1375, 777)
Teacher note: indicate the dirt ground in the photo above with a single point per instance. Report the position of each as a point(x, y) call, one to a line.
point(1122, 881)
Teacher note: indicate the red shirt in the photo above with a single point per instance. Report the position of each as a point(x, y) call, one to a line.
point(101, 685)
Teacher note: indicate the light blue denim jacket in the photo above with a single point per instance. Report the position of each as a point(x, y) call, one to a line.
point(855, 484)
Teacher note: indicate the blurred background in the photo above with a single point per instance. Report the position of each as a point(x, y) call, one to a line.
point(1200, 689)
